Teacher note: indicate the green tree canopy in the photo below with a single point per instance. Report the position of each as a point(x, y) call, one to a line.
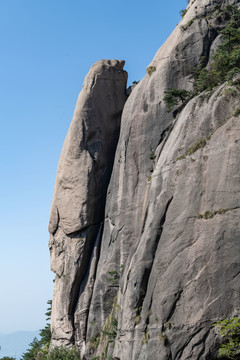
point(63, 353)
point(174, 96)
point(38, 348)
point(33, 350)
point(230, 331)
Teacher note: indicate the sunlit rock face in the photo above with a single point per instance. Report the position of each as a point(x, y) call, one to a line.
point(146, 267)
point(77, 213)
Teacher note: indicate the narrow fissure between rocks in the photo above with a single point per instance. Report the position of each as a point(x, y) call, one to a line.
point(147, 271)
point(82, 271)
point(96, 250)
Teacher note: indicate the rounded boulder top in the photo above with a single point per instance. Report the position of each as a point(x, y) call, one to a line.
point(118, 64)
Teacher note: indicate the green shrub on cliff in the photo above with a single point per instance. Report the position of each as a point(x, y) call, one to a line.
point(225, 64)
point(226, 61)
point(151, 70)
point(174, 96)
point(63, 353)
point(230, 331)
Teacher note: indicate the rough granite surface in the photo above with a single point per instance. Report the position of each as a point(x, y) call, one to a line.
point(83, 174)
point(142, 273)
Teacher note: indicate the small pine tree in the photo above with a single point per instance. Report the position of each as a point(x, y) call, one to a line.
point(174, 96)
point(38, 349)
point(33, 350)
point(49, 310)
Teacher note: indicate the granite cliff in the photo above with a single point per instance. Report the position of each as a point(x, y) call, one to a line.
point(144, 225)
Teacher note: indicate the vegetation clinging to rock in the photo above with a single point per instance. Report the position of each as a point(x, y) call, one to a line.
point(226, 61)
point(63, 353)
point(210, 214)
point(230, 331)
point(225, 65)
point(151, 70)
point(199, 144)
point(107, 335)
point(174, 96)
point(183, 12)
point(236, 111)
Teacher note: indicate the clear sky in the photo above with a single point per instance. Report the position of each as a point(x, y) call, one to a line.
point(46, 50)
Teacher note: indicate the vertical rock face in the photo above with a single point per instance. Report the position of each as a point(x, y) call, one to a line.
point(80, 190)
point(151, 279)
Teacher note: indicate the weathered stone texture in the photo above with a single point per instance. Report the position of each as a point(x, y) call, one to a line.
point(80, 190)
point(168, 251)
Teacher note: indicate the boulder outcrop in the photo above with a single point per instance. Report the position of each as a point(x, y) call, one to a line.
point(146, 264)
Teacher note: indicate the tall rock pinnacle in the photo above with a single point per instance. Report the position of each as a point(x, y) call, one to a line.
point(83, 175)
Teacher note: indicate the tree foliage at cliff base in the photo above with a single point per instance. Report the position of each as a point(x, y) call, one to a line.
point(39, 348)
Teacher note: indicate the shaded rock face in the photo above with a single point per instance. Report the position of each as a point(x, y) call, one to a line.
point(164, 265)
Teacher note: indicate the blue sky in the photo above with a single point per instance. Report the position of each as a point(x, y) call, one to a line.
point(46, 50)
